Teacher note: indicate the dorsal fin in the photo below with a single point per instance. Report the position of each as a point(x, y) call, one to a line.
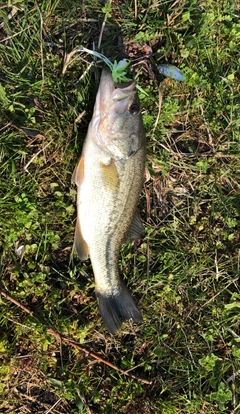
point(136, 230)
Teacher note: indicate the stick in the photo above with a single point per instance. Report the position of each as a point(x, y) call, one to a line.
point(102, 28)
point(160, 97)
point(70, 342)
point(35, 155)
point(135, 9)
point(222, 290)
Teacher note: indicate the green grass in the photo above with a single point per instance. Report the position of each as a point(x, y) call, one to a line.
point(184, 275)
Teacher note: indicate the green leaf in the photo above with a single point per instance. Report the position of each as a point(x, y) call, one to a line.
point(184, 53)
point(208, 362)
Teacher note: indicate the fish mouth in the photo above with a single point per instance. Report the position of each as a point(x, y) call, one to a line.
point(109, 92)
point(112, 107)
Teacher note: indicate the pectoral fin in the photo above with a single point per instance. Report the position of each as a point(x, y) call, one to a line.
point(109, 174)
point(78, 173)
point(80, 244)
point(136, 230)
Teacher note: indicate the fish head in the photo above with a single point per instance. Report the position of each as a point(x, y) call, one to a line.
point(117, 120)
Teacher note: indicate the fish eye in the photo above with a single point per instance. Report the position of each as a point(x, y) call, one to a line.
point(134, 109)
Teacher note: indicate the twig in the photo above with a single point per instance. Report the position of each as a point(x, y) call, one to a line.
point(232, 378)
point(216, 265)
point(35, 155)
point(14, 35)
point(217, 294)
point(29, 398)
point(5, 126)
point(135, 9)
point(159, 109)
point(168, 149)
point(86, 71)
point(53, 406)
point(238, 263)
point(235, 411)
point(67, 58)
point(102, 29)
point(52, 44)
point(148, 220)
point(81, 396)
point(70, 342)
point(10, 15)
point(19, 324)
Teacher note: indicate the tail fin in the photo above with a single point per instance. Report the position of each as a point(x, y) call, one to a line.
point(116, 309)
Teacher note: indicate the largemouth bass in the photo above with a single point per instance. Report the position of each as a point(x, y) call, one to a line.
point(109, 176)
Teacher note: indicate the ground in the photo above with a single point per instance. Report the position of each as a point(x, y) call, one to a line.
point(55, 354)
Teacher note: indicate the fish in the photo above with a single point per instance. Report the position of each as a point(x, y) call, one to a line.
point(109, 178)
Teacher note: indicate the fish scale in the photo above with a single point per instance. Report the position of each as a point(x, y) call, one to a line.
point(104, 250)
